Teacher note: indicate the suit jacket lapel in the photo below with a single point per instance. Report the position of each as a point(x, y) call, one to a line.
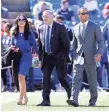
point(87, 30)
point(43, 35)
point(52, 31)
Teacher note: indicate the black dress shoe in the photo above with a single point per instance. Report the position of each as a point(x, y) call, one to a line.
point(70, 102)
point(44, 103)
point(91, 105)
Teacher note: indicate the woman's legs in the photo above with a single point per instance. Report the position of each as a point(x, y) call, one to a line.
point(22, 86)
point(25, 94)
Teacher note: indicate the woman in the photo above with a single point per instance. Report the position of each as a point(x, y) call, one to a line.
point(23, 41)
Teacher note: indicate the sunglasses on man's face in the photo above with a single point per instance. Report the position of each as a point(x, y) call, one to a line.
point(23, 20)
point(83, 13)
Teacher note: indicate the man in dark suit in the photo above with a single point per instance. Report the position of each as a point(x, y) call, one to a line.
point(54, 47)
point(86, 36)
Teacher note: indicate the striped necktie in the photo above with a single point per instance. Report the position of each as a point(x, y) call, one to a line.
point(47, 47)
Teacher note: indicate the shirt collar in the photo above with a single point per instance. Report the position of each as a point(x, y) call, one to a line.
point(85, 23)
point(50, 25)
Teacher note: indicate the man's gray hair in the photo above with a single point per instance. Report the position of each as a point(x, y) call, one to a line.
point(49, 11)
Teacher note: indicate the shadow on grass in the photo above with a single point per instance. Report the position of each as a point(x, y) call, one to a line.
point(52, 106)
point(70, 106)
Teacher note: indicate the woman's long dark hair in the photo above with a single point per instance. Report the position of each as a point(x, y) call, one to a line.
point(26, 29)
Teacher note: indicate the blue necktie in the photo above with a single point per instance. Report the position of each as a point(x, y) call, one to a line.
point(47, 47)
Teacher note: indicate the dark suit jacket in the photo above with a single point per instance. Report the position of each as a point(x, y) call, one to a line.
point(60, 43)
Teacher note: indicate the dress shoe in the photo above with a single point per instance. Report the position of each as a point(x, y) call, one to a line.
point(70, 102)
point(91, 105)
point(44, 103)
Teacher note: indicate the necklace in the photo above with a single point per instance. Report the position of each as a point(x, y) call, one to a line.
point(21, 34)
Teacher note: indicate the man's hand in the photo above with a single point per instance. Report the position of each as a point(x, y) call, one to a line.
point(97, 58)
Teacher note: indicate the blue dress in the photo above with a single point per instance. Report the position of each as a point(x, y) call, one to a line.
point(25, 46)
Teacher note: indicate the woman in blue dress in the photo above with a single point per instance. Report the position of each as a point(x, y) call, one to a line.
point(23, 41)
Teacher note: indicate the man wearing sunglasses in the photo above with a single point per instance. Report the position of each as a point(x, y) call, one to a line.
point(86, 36)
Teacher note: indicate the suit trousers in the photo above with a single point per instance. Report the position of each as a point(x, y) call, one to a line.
point(3, 75)
point(50, 63)
point(77, 81)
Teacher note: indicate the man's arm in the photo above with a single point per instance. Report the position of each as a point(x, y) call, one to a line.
point(100, 40)
point(65, 39)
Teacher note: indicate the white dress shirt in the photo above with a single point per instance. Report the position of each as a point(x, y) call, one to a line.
point(81, 25)
point(80, 59)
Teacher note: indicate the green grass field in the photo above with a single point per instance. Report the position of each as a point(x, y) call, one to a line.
point(58, 102)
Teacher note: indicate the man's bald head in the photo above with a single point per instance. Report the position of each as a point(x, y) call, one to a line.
point(82, 9)
point(83, 14)
point(48, 17)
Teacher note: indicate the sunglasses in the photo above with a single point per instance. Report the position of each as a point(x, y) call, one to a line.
point(23, 20)
point(84, 13)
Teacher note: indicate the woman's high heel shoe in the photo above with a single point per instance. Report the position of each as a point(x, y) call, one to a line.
point(20, 102)
point(25, 101)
